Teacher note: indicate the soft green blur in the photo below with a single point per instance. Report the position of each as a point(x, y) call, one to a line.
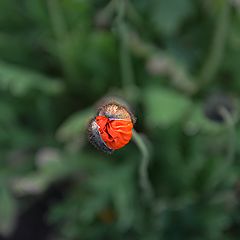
point(179, 177)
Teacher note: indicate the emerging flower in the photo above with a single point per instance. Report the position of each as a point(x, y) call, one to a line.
point(112, 128)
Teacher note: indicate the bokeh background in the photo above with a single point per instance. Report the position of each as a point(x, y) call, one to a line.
point(176, 62)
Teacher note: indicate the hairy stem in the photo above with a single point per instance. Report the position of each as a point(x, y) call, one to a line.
point(61, 35)
point(225, 167)
point(125, 57)
point(232, 135)
point(143, 169)
point(215, 56)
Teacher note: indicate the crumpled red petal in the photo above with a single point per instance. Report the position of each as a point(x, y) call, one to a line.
point(116, 133)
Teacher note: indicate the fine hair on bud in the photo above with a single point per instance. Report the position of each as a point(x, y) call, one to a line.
point(114, 107)
point(111, 128)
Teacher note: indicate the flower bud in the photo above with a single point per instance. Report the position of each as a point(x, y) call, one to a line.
point(111, 129)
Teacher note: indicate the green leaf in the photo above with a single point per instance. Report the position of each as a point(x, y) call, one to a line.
point(165, 107)
point(7, 113)
point(75, 125)
point(19, 81)
point(52, 170)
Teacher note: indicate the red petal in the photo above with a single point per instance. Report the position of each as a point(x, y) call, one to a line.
point(115, 133)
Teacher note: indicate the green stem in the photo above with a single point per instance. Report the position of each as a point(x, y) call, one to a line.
point(230, 157)
point(232, 136)
point(143, 169)
point(61, 38)
point(125, 57)
point(214, 59)
point(57, 20)
point(109, 8)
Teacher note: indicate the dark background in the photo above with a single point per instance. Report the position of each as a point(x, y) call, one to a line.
point(176, 62)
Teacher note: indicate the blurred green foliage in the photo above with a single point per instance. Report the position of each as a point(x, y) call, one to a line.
point(165, 57)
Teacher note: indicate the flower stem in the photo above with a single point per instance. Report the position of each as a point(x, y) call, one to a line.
point(124, 55)
point(62, 40)
point(230, 157)
point(143, 168)
point(232, 136)
point(213, 61)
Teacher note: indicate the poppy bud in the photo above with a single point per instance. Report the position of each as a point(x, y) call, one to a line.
point(111, 129)
point(215, 103)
